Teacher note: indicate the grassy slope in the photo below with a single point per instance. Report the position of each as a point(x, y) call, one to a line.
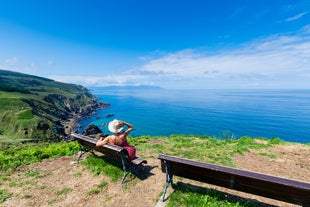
point(204, 148)
point(190, 147)
point(25, 106)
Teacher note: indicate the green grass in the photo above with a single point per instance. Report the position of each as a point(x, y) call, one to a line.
point(99, 166)
point(185, 195)
point(78, 174)
point(200, 148)
point(25, 114)
point(27, 196)
point(53, 201)
point(4, 195)
point(63, 191)
point(271, 156)
point(98, 188)
point(15, 156)
point(34, 173)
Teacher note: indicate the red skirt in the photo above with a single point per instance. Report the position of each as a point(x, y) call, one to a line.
point(130, 149)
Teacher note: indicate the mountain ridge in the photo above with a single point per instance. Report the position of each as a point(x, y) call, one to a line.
point(36, 108)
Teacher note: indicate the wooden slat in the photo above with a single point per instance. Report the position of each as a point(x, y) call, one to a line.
point(138, 161)
point(260, 184)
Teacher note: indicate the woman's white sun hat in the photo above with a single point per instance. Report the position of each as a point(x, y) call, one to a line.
point(115, 126)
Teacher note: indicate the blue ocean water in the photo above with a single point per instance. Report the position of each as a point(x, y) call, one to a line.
point(257, 113)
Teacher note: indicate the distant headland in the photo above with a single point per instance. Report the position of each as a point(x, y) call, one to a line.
point(40, 109)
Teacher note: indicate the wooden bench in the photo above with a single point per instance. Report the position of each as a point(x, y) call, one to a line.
point(283, 189)
point(110, 150)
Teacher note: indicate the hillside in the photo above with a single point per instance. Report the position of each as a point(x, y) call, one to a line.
point(36, 108)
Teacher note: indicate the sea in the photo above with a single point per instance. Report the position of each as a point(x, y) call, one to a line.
point(283, 114)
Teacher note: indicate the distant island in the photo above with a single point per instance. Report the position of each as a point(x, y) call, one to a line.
point(128, 87)
point(40, 109)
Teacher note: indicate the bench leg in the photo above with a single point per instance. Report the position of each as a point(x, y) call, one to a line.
point(83, 150)
point(168, 177)
point(126, 168)
point(124, 177)
point(80, 155)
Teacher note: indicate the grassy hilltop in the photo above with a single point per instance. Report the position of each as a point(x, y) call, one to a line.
point(35, 108)
point(46, 169)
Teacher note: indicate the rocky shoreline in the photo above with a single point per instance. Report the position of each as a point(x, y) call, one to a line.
point(70, 124)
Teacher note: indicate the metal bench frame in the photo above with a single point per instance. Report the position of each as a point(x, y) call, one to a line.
point(278, 188)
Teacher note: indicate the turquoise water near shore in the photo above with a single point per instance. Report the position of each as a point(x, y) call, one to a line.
point(221, 113)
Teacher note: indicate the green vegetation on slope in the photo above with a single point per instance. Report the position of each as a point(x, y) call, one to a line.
point(33, 107)
point(15, 156)
point(204, 148)
point(201, 148)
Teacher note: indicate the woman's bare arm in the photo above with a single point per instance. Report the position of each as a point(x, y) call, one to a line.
point(102, 141)
point(129, 129)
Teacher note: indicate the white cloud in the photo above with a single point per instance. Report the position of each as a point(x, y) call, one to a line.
point(115, 80)
point(276, 58)
point(10, 62)
point(13, 63)
point(279, 61)
point(298, 16)
point(273, 55)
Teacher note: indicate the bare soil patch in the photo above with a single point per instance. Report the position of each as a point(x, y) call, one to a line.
point(62, 183)
point(289, 161)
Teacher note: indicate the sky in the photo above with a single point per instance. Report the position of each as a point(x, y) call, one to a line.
point(174, 44)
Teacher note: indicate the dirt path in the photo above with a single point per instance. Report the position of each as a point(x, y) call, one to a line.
point(60, 183)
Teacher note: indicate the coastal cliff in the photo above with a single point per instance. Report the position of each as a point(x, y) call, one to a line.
point(40, 109)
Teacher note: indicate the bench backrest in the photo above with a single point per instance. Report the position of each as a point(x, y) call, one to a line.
point(260, 184)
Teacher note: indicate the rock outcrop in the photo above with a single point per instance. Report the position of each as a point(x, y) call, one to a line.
point(91, 130)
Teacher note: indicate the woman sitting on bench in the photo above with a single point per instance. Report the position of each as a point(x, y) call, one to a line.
point(119, 137)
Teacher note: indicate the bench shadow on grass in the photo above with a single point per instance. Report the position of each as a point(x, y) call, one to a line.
point(141, 172)
point(219, 195)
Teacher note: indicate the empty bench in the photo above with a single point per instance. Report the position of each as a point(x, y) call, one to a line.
point(110, 150)
point(283, 189)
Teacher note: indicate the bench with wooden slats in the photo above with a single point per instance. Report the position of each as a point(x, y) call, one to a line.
point(282, 189)
point(110, 150)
